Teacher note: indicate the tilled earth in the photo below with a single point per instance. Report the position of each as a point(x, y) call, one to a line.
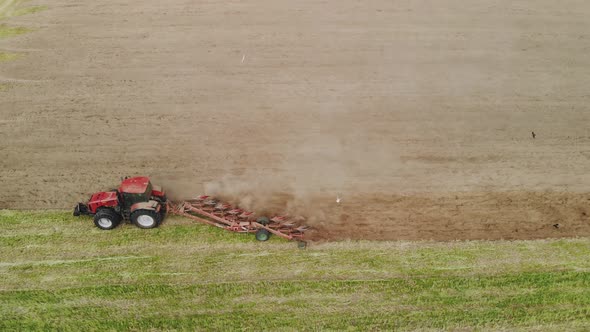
point(419, 115)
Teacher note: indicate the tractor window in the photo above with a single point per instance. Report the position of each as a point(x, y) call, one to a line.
point(130, 199)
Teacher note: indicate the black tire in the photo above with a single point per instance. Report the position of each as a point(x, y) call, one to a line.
point(262, 235)
point(106, 219)
point(145, 219)
point(263, 220)
point(163, 211)
point(163, 206)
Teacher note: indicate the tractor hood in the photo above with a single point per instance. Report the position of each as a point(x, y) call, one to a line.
point(136, 185)
point(107, 199)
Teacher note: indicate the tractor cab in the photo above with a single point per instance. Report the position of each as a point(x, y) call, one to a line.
point(134, 190)
point(136, 199)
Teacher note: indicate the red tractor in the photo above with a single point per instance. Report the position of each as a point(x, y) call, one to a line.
point(136, 200)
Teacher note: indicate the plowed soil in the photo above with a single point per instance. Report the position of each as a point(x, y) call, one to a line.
point(417, 114)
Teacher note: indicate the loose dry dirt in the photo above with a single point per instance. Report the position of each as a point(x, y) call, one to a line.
point(418, 114)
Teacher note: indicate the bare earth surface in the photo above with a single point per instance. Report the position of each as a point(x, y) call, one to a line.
point(418, 114)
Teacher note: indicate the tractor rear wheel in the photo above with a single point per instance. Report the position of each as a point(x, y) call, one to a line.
point(262, 235)
point(145, 219)
point(106, 219)
point(163, 206)
point(163, 213)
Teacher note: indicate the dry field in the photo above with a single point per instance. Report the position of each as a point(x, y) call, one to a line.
point(417, 113)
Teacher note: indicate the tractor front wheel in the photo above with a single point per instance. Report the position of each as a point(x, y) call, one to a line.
point(145, 218)
point(106, 219)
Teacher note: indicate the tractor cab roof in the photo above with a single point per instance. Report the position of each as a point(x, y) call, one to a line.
point(136, 185)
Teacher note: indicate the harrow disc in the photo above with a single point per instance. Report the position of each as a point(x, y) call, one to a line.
point(210, 211)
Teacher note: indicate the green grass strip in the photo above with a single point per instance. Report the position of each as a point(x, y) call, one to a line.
point(7, 31)
point(5, 56)
point(62, 273)
point(29, 10)
point(517, 300)
point(11, 8)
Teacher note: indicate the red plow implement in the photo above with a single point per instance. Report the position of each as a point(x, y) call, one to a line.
point(211, 211)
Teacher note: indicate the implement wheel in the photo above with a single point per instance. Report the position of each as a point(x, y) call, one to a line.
point(106, 219)
point(263, 220)
point(262, 235)
point(145, 219)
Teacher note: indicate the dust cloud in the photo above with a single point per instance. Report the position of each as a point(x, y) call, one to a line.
point(320, 169)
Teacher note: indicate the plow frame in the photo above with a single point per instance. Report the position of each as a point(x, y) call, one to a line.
point(212, 212)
